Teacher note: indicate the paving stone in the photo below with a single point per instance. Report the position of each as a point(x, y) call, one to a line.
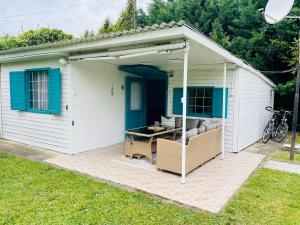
point(208, 188)
point(282, 166)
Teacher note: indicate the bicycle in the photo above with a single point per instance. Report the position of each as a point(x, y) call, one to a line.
point(283, 127)
point(271, 128)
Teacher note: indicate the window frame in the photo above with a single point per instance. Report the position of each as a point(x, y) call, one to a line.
point(204, 115)
point(27, 88)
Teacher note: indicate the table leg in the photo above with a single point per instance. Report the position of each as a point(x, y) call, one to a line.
point(150, 149)
point(132, 142)
point(174, 136)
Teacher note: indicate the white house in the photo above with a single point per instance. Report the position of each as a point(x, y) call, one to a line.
point(78, 95)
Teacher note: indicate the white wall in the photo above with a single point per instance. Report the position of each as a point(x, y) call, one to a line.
point(208, 78)
point(254, 95)
point(41, 130)
point(99, 116)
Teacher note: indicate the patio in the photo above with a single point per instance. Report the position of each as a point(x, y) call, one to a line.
point(207, 188)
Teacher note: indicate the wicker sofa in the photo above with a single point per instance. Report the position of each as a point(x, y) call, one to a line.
point(200, 149)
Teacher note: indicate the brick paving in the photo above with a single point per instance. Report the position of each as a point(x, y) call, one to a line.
point(207, 188)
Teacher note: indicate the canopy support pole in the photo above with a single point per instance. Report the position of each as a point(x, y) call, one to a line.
point(224, 110)
point(184, 106)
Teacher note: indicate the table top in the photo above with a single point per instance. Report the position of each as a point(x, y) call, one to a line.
point(145, 132)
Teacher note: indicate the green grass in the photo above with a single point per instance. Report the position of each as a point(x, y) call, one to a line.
point(284, 156)
point(297, 140)
point(35, 193)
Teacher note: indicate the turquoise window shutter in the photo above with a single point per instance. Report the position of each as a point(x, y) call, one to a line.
point(177, 105)
point(17, 90)
point(218, 102)
point(54, 77)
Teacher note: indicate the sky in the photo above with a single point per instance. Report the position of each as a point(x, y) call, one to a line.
point(72, 16)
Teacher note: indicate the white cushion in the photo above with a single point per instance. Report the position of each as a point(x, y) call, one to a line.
point(201, 129)
point(206, 123)
point(191, 133)
point(211, 126)
point(168, 122)
point(219, 124)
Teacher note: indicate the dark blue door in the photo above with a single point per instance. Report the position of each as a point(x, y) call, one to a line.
point(135, 103)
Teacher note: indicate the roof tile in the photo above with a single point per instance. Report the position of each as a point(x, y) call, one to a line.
point(97, 38)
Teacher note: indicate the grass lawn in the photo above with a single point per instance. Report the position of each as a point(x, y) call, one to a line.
point(35, 193)
point(297, 140)
point(284, 156)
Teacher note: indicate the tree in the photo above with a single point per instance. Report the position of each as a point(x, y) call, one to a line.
point(107, 27)
point(239, 27)
point(126, 21)
point(34, 37)
point(88, 34)
point(218, 34)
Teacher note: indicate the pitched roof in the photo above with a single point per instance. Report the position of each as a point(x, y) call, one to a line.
point(111, 35)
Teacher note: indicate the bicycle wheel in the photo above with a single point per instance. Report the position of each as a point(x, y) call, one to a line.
point(281, 132)
point(267, 134)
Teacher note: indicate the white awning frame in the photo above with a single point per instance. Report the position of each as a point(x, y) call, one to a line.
point(184, 105)
point(184, 112)
point(134, 52)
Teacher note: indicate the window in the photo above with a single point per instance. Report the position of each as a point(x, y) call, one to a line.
point(200, 101)
point(136, 96)
point(38, 90)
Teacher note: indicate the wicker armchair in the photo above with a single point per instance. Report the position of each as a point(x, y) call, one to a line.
point(200, 149)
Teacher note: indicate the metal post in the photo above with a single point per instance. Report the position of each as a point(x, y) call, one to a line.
point(296, 107)
point(295, 115)
point(183, 100)
point(224, 109)
point(135, 15)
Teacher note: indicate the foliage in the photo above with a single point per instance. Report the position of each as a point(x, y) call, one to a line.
point(33, 37)
point(295, 48)
point(88, 34)
point(107, 27)
point(35, 193)
point(288, 87)
point(126, 20)
point(238, 26)
point(218, 34)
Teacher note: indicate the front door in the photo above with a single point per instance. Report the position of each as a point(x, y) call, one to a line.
point(135, 103)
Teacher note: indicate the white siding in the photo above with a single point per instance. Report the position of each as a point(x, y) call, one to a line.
point(99, 115)
point(254, 95)
point(41, 130)
point(208, 78)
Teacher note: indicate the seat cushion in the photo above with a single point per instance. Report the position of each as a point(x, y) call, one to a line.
point(178, 122)
point(218, 124)
point(191, 133)
point(168, 122)
point(201, 129)
point(192, 123)
point(211, 126)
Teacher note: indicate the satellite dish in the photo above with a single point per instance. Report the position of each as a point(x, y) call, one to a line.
point(277, 10)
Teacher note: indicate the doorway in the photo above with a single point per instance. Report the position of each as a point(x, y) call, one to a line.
point(156, 100)
point(146, 101)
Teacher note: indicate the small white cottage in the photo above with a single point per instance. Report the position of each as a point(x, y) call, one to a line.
point(78, 95)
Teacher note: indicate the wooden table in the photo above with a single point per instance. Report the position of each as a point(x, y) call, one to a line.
point(142, 139)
